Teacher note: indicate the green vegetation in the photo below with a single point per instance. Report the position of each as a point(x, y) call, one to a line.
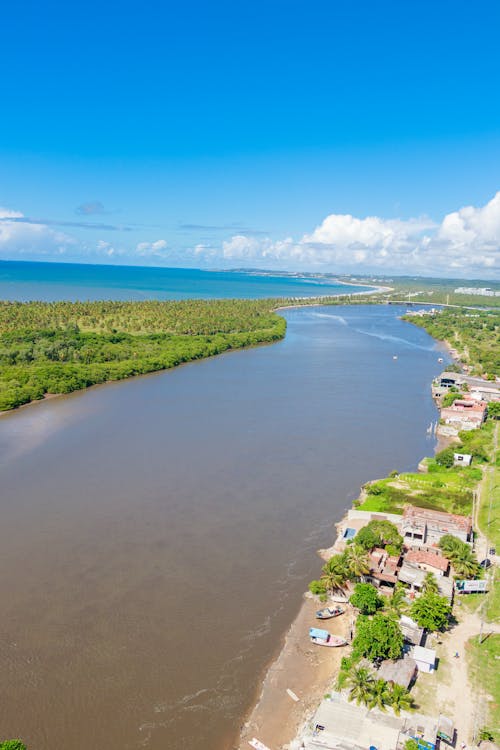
point(396, 605)
point(366, 598)
point(482, 658)
point(489, 523)
point(431, 611)
point(375, 693)
point(460, 555)
point(12, 745)
point(441, 488)
point(435, 291)
point(430, 585)
point(378, 637)
point(379, 534)
point(474, 334)
point(60, 347)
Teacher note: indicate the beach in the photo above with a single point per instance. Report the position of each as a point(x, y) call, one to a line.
point(307, 670)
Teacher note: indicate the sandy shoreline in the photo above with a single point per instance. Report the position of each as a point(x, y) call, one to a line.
point(308, 670)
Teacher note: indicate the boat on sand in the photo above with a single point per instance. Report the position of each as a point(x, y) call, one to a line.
point(324, 638)
point(328, 612)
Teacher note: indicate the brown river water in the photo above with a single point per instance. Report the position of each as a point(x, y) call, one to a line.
point(157, 534)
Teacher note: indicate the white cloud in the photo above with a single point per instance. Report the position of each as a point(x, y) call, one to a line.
point(466, 241)
point(152, 249)
point(29, 239)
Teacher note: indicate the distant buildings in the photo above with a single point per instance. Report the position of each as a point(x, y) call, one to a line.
point(484, 291)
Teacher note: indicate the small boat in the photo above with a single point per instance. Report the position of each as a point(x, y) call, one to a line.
point(328, 612)
point(440, 360)
point(395, 356)
point(324, 638)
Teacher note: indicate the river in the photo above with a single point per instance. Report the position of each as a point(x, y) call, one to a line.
point(157, 534)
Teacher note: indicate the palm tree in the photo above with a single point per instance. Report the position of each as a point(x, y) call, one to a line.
point(399, 699)
point(464, 563)
point(379, 695)
point(430, 585)
point(397, 603)
point(357, 561)
point(334, 573)
point(449, 544)
point(360, 681)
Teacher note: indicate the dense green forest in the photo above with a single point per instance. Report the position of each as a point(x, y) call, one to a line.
point(58, 347)
point(474, 334)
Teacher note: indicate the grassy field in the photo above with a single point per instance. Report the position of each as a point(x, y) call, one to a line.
point(483, 660)
point(489, 524)
point(446, 489)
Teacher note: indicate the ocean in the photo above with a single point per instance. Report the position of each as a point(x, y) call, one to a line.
point(73, 281)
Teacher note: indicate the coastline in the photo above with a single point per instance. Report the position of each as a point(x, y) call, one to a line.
point(307, 670)
point(274, 718)
point(300, 302)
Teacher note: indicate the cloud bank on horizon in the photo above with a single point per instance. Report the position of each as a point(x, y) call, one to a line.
point(465, 243)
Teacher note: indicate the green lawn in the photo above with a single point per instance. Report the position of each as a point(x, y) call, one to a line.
point(449, 490)
point(489, 524)
point(483, 661)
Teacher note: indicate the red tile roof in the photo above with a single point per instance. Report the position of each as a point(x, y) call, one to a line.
point(427, 558)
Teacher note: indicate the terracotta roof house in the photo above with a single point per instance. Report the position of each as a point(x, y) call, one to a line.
point(383, 568)
point(428, 561)
point(424, 526)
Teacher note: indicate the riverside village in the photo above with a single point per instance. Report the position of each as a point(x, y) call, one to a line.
point(406, 611)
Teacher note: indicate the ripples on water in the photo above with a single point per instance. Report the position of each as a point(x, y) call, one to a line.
point(157, 534)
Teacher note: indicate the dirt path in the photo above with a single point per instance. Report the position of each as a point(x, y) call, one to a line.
point(454, 696)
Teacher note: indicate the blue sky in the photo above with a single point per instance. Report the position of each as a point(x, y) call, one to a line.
point(339, 136)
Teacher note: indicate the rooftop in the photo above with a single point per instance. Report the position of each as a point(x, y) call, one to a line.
point(427, 558)
point(427, 655)
point(400, 671)
point(350, 727)
point(425, 515)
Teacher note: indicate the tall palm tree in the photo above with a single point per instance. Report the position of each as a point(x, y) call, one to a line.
point(396, 604)
point(334, 574)
point(360, 681)
point(449, 544)
point(379, 695)
point(430, 585)
point(464, 563)
point(399, 699)
point(357, 561)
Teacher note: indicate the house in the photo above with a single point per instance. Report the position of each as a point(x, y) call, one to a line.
point(383, 567)
point(412, 632)
point(462, 459)
point(465, 414)
point(425, 658)
point(399, 671)
point(414, 576)
point(423, 729)
point(339, 724)
point(425, 526)
point(432, 561)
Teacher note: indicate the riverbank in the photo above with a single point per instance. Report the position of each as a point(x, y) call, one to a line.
point(305, 669)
